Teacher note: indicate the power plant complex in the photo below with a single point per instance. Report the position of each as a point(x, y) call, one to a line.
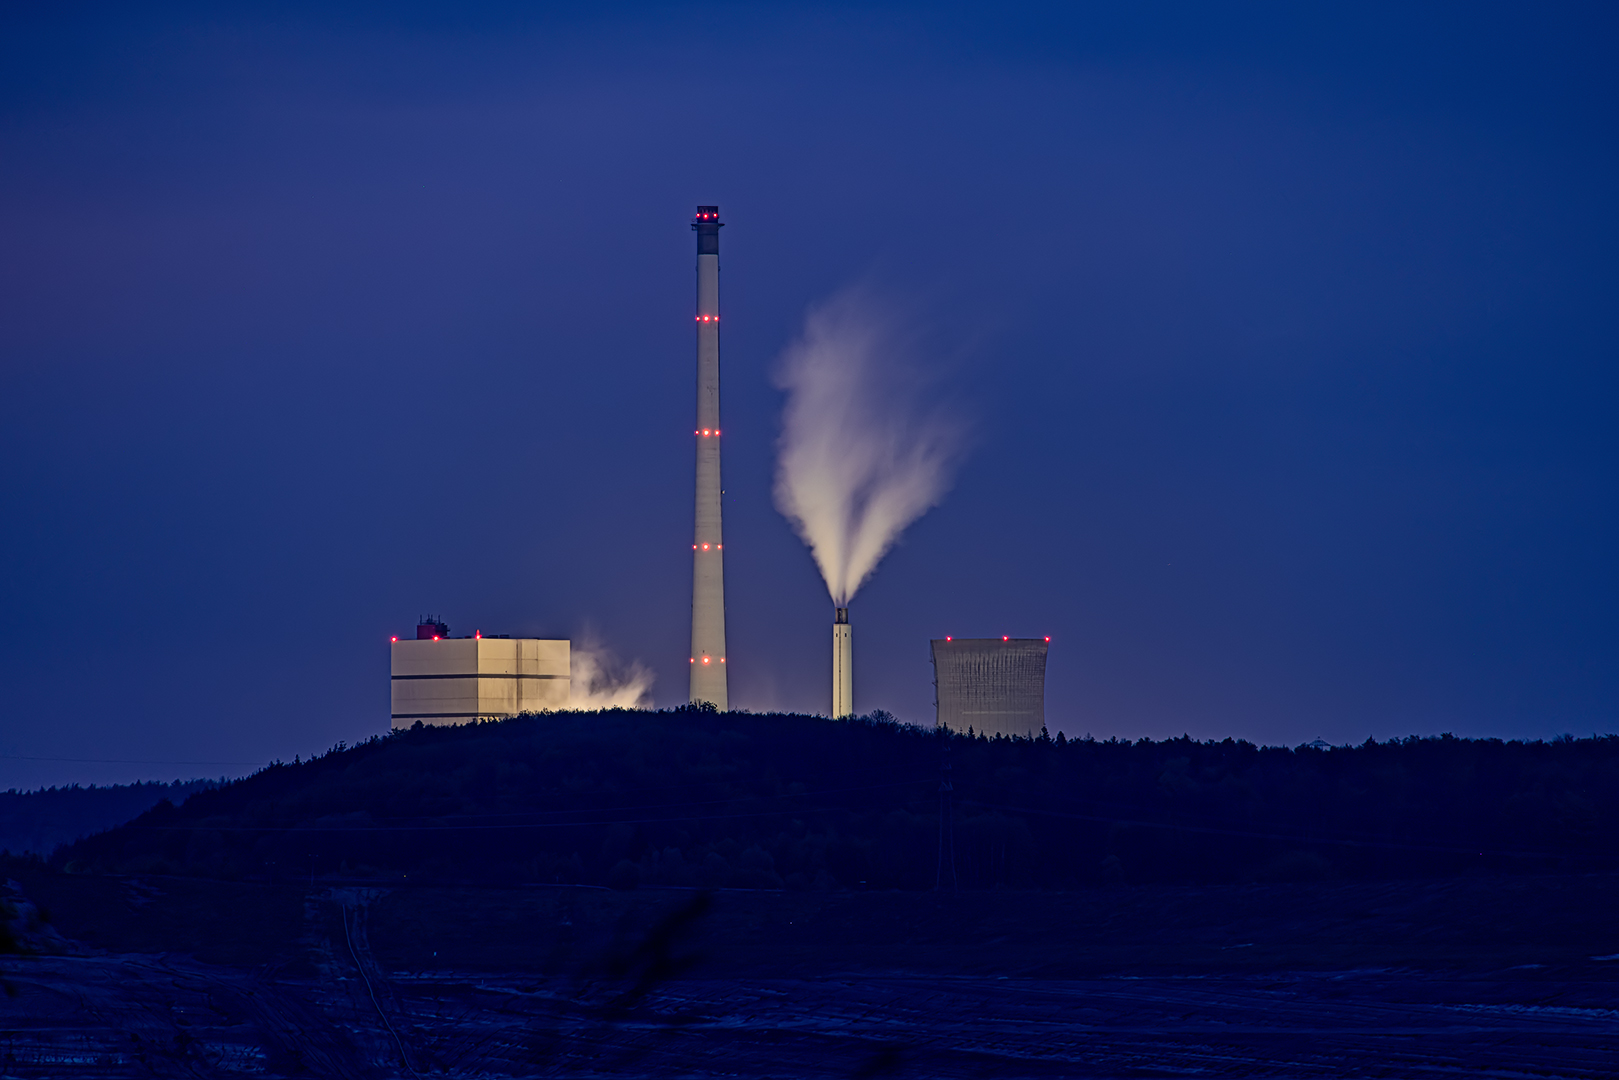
point(995, 686)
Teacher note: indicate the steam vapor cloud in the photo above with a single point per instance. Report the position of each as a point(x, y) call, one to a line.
point(861, 455)
point(598, 681)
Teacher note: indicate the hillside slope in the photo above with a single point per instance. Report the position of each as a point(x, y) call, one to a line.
point(36, 822)
point(695, 798)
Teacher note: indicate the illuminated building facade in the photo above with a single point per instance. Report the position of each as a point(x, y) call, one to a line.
point(438, 679)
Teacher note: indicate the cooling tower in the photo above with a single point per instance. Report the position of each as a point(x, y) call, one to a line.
point(842, 665)
point(996, 686)
point(708, 560)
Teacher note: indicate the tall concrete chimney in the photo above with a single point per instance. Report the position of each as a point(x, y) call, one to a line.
point(708, 557)
point(842, 665)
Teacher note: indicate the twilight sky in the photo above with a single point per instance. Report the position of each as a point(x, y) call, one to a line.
point(1287, 333)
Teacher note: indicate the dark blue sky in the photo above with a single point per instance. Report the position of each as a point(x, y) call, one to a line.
point(1288, 333)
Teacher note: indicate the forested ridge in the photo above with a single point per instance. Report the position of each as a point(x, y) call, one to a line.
point(37, 821)
point(698, 798)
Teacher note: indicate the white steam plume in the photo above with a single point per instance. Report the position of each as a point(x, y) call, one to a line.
point(861, 454)
point(597, 680)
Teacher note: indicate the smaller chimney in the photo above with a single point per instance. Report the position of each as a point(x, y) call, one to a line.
point(842, 662)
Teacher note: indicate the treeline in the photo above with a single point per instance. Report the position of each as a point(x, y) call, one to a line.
point(36, 822)
point(698, 798)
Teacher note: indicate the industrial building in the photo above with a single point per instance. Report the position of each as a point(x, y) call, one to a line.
point(996, 686)
point(438, 679)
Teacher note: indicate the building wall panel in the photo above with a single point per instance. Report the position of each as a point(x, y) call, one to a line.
point(457, 680)
point(995, 686)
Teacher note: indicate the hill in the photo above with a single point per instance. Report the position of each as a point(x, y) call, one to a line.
point(697, 798)
point(36, 822)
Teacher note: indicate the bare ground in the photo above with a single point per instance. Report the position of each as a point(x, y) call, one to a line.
point(1476, 977)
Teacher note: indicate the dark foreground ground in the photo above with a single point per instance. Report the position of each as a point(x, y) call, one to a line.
point(1515, 977)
